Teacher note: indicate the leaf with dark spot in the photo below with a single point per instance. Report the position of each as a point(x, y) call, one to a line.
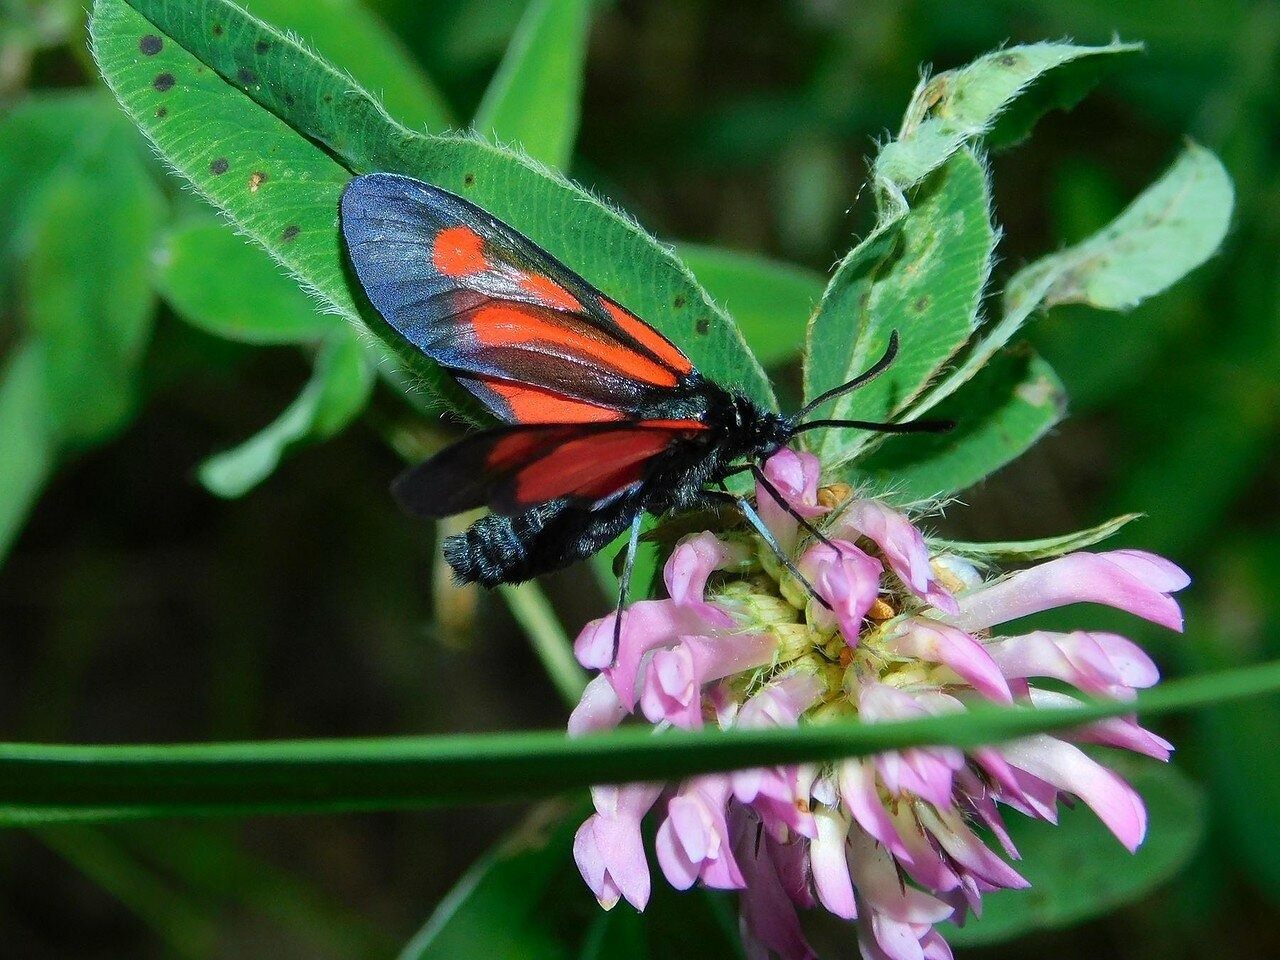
point(335, 128)
point(770, 301)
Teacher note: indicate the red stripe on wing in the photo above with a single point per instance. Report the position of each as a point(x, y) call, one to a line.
point(649, 338)
point(513, 324)
point(591, 467)
point(513, 468)
point(526, 404)
point(509, 451)
point(550, 293)
point(682, 425)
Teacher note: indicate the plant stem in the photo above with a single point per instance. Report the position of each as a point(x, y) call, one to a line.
point(533, 611)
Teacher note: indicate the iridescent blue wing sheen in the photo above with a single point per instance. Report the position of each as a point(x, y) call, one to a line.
point(533, 340)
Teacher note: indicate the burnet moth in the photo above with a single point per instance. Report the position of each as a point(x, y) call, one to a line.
point(605, 418)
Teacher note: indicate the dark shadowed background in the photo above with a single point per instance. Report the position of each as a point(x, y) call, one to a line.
point(134, 606)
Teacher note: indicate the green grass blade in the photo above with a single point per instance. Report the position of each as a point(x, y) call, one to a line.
point(102, 782)
point(534, 99)
point(533, 611)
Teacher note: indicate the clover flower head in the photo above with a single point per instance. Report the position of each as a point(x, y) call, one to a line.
point(889, 841)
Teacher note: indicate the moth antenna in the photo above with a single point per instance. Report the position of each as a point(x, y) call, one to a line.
point(913, 426)
point(861, 380)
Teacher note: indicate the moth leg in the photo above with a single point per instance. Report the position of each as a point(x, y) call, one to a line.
point(624, 581)
point(790, 510)
point(753, 518)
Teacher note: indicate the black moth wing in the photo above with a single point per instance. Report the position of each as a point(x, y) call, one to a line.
point(511, 469)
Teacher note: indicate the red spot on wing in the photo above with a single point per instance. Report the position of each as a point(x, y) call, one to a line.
point(535, 405)
point(592, 466)
point(458, 251)
point(661, 347)
point(511, 324)
point(551, 293)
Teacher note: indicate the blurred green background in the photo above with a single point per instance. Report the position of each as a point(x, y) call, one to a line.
point(134, 606)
